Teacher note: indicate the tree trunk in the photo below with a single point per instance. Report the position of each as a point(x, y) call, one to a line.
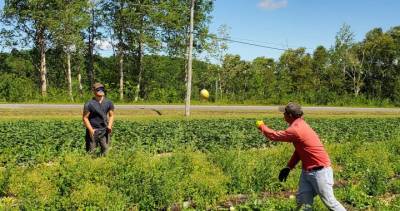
point(41, 44)
point(121, 76)
point(140, 67)
point(140, 54)
point(216, 90)
point(189, 75)
point(220, 86)
point(69, 77)
point(355, 85)
point(80, 82)
point(357, 92)
point(90, 66)
point(121, 50)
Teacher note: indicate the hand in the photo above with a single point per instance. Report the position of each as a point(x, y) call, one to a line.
point(91, 133)
point(284, 174)
point(109, 129)
point(259, 123)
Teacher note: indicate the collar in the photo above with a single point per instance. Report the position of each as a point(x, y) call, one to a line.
point(297, 120)
point(104, 99)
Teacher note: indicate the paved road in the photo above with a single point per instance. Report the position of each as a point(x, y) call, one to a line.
point(198, 107)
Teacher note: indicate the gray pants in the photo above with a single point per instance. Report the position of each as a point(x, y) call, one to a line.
point(318, 182)
point(100, 138)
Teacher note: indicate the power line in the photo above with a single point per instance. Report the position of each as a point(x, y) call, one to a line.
point(258, 45)
point(238, 39)
point(270, 43)
point(253, 44)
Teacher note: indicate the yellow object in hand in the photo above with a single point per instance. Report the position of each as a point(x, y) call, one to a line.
point(259, 123)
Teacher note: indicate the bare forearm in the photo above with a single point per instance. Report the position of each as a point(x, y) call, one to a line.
point(110, 121)
point(87, 124)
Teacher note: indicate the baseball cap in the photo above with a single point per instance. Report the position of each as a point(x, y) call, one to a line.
point(97, 85)
point(292, 108)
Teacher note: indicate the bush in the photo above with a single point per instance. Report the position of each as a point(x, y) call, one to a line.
point(374, 168)
point(253, 171)
point(92, 196)
point(35, 189)
point(119, 182)
point(3, 181)
point(356, 197)
point(16, 89)
point(164, 95)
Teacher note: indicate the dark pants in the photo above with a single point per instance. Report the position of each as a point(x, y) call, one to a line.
point(100, 137)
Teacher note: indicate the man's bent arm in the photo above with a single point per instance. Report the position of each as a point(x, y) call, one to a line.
point(293, 160)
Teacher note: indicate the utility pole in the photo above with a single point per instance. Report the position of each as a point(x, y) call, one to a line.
point(189, 66)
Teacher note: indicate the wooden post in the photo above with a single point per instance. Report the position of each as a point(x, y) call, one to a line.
point(189, 75)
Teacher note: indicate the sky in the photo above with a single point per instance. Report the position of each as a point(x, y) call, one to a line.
point(298, 23)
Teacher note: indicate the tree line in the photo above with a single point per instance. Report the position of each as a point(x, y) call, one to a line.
point(54, 57)
point(350, 72)
point(69, 31)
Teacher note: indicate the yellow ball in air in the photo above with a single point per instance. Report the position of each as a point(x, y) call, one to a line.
point(204, 94)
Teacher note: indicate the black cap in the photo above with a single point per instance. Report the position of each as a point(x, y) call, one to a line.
point(292, 109)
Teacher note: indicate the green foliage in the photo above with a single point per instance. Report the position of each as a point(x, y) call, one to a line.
point(158, 165)
point(16, 89)
point(76, 181)
point(35, 189)
point(269, 204)
point(356, 197)
point(37, 141)
point(3, 182)
point(140, 180)
point(250, 171)
point(95, 196)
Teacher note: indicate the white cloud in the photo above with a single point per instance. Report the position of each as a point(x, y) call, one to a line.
point(272, 4)
point(103, 44)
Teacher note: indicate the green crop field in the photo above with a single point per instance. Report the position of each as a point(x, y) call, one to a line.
point(190, 164)
point(234, 63)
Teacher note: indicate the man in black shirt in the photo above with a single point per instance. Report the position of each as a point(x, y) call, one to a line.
point(98, 117)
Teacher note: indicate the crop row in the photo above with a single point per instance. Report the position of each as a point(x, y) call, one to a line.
point(366, 176)
point(35, 141)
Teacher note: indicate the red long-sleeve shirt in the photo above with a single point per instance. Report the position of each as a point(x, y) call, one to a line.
point(308, 147)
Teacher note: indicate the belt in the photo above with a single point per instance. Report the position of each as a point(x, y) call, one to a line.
point(316, 168)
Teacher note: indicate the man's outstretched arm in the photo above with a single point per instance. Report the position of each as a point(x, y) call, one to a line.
point(280, 135)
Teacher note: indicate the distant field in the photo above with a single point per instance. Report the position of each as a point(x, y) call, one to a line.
point(142, 114)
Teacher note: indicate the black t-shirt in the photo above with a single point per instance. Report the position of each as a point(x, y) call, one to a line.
point(96, 119)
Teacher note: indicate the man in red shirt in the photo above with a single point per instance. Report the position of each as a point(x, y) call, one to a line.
point(316, 176)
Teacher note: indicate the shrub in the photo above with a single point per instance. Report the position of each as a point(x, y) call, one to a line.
point(92, 196)
point(34, 188)
point(16, 89)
